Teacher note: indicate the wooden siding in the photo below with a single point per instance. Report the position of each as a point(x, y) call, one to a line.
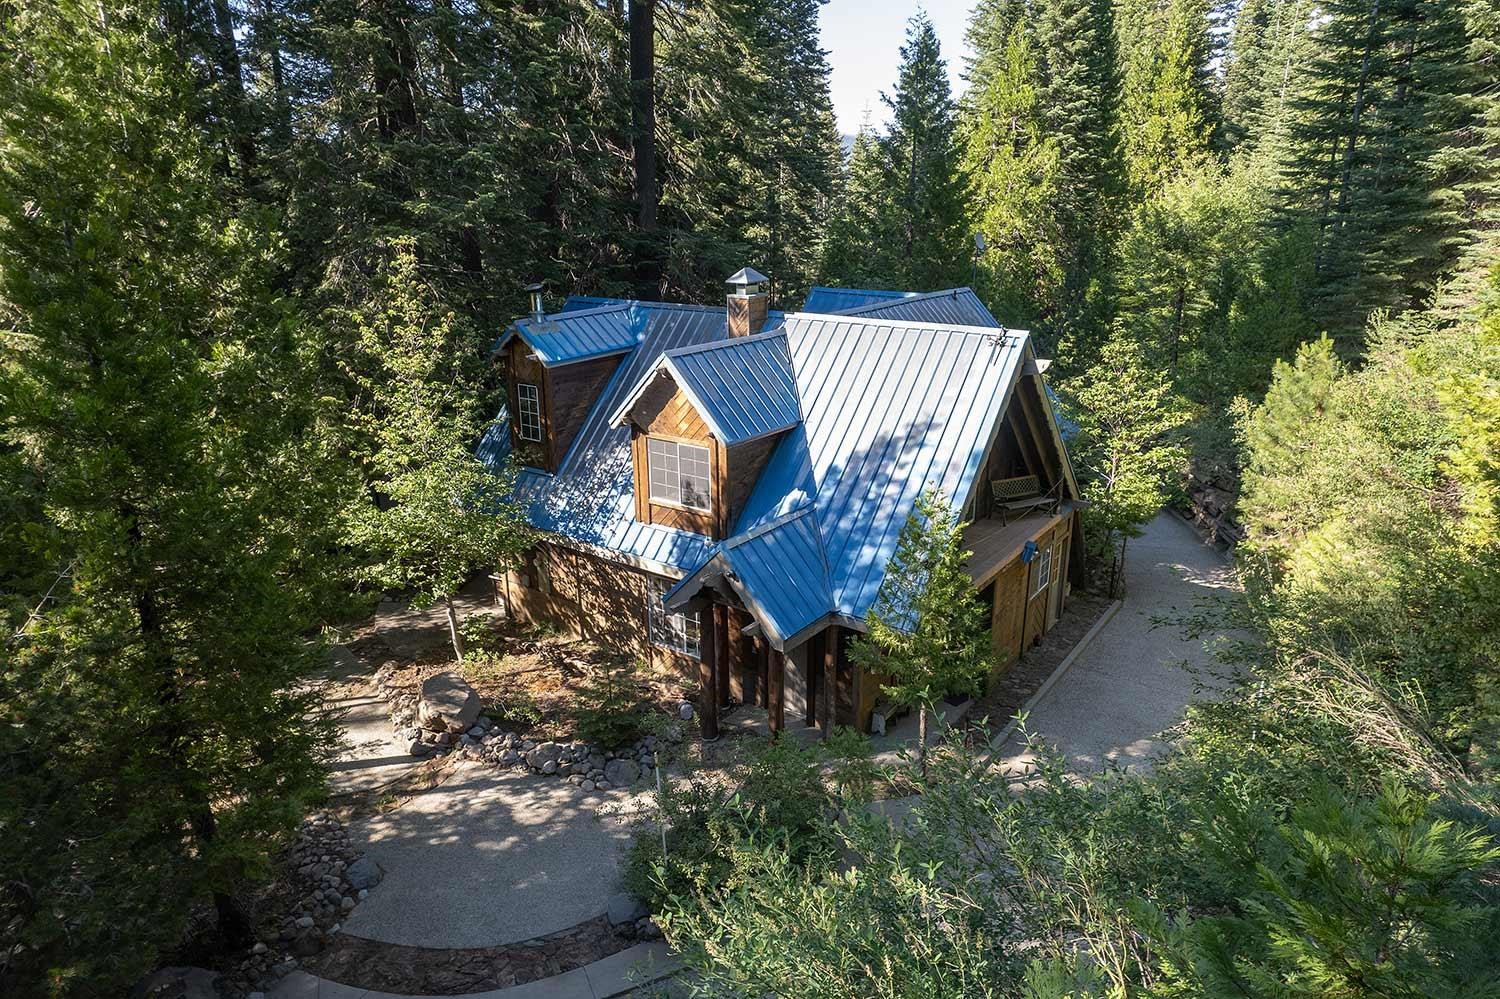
point(746, 315)
point(572, 392)
point(593, 599)
point(522, 366)
point(743, 465)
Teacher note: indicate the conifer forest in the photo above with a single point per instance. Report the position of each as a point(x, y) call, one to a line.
point(253, 255)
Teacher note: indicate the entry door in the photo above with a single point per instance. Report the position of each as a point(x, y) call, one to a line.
point(1008, 613)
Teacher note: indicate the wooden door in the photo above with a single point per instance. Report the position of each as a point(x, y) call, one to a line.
point(1007, 615)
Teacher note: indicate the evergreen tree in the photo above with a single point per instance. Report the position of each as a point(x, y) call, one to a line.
point(1167, 110)
point(858, 251)
point(440, 513)
point(751, 149)
point(1126, 446)
point(1080, 84)
point(927, 627)
point(1388, 92)
point(922, 167)
point(1014, 169)
point(159, 736)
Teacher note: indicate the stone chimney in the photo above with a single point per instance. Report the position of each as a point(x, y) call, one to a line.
point(747, 302)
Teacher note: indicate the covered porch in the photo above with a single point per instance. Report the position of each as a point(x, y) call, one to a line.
point(1025, 589)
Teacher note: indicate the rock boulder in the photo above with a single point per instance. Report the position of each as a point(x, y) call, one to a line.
point(448, 703)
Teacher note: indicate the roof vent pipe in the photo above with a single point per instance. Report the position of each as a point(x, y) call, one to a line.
point(538, 311)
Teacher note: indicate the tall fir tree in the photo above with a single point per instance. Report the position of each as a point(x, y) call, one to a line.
point(159, 735)
point(750, 150)
point(1014, 168)
point(1168, 110)
point(1388, 92)
point(922, 166)
point(858, 251)
point(1080, 84)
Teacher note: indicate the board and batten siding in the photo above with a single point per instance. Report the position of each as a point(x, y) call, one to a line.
point(593, 599)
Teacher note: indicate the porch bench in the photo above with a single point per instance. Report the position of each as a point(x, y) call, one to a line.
point(1023, 493)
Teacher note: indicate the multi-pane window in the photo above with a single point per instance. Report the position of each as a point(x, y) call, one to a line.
point(678, 632)
point(679, 473)
point(1043, 570)
point(529, 412)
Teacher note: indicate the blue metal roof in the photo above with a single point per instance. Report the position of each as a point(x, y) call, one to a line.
point(889, 410)
point(591, 497)
point(778, 569)
point(743, 388)
point(958, 306)
point(821, 299)
point(578, 334)
point(874, 405)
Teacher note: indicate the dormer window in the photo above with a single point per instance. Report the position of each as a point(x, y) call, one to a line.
point(528, 412)
point(680, 473)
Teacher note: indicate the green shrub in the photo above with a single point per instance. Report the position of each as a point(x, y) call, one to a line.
point(480, 635)
point(609, 706)
point(778, 796)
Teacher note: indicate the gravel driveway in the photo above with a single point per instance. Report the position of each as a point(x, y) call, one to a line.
point(1130, 683)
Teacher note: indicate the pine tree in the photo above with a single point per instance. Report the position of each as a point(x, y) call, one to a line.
point(927, 626)
point(159, 736)
point(922, 166)
point(1014, 170)
point(751, 151)
point(1126, 448)
point(1080, 83)
point(858, 251)
point(1388, 92)
point(1167, 111)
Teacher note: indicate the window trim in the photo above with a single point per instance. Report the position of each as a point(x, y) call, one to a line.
point(1043, 570)
point(522, 414)
point(708, 477)
point(664, 633)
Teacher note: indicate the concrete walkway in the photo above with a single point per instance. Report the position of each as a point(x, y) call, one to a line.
point(488, 857)
point(1130, 684)
point(613, 976)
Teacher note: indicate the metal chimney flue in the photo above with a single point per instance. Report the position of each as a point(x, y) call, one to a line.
point(538, 308)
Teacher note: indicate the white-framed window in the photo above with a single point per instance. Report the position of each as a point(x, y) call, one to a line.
point(679, 473)
point(678, 632)
point(1043, 574)
point(529, 411)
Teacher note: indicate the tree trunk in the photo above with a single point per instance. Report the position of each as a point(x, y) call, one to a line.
point(643, 141)
point(458, 638)
point(922, 738)
point(229, 65)
point(1359, 106)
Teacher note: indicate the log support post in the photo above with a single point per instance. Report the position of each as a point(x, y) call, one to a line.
point(708, 677)
point(828, 695)
point(776, 694)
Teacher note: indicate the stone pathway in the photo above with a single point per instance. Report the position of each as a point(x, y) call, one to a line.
point(616, 975)
point(1129, 685)
point(370, 755)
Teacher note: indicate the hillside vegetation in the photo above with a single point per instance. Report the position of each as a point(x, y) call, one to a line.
point(252, 253)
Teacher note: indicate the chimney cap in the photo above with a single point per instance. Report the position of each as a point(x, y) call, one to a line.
point(534, 286)
point(747, 280)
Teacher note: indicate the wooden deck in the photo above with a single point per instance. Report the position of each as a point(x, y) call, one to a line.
point(994, 545)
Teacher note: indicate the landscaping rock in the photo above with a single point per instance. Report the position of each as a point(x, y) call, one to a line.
point(621, 772)
point(363, 874)
point(178, 983)
point(448, 703)
point(625, 908)
point(685, 711)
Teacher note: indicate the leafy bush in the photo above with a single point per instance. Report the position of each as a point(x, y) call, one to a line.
point(480, 635)
point(609, 709)
point(778, 797)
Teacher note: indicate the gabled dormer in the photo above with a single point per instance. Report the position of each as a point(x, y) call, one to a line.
point(703, 423)
point(554, 369)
